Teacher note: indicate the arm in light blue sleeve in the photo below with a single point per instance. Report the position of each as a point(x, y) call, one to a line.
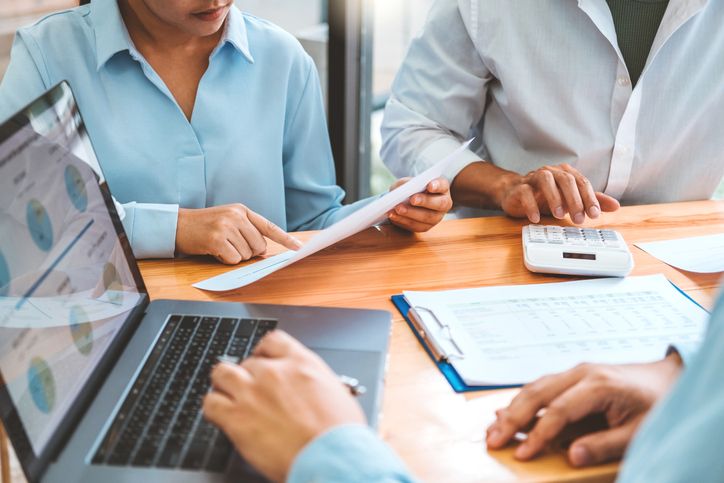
point(682, 439)
point(313, 200)
point(351, 454)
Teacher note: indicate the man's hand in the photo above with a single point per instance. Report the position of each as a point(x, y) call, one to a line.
point(231, 233)
point(423, 210)
point(276, 402)
point(624, 394)
point(556, 190)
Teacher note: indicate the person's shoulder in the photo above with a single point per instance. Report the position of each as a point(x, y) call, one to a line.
point(268, 39)
point(58, 24)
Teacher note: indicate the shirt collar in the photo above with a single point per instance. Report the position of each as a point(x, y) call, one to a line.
point(110, 31)
point(236, 34)
point(112, 36)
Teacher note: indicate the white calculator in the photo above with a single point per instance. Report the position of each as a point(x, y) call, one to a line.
point(576, 251)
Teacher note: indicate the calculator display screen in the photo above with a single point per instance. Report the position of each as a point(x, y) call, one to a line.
point(579, 256)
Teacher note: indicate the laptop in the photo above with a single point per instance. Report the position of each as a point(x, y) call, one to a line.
point(97, 383)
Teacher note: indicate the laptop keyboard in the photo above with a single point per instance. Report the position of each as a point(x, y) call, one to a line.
point(160, 423)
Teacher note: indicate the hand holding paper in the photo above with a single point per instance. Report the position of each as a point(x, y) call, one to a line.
point(374, 213)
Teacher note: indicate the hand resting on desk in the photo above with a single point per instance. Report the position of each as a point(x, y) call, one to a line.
point(624, 394)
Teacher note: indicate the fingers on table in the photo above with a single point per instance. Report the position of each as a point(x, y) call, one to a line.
point(571, 406)
point(527, 403)
point(602, 446)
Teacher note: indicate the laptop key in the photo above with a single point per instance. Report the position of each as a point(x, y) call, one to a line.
point(245, 328)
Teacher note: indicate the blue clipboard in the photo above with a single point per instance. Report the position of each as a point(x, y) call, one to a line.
point(447, 369)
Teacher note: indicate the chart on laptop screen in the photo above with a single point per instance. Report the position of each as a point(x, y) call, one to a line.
point(65, 283)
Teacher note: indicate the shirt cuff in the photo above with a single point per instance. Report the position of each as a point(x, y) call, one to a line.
point(350, 453)
point(438, 150)
point(151, 229)
point(686, 351)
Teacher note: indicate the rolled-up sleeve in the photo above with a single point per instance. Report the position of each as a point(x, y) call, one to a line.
point(351, 453)
point(438, 96)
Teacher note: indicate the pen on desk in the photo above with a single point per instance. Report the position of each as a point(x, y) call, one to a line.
point(354, 386)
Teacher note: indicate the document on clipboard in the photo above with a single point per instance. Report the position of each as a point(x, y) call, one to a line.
point(507, 336)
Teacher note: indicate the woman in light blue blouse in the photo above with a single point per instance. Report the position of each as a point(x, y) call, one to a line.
point(208, 123)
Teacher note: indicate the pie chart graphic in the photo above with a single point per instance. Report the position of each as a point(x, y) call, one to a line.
point(75, 186)
point(4, 277)
point(112, 284)
point(81, 330)
point(41, 385)
point(39, 225)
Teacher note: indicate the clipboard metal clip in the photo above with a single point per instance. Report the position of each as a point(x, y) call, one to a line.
point(442, 355)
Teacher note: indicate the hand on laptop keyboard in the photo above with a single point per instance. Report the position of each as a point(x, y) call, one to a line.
point(277, 401)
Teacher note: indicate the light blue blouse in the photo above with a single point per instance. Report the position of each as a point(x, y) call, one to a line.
point(257, 136)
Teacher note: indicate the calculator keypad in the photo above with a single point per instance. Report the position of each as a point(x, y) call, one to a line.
point(570, 235)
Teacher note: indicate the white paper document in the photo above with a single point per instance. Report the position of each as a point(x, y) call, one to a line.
point(496, 336)
point(701, 254)
point(365, 217)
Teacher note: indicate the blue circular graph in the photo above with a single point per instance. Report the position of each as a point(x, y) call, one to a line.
point(41, 385)
point(81, 330)
point(75, 186)
point(39, 225)
point(4, 277)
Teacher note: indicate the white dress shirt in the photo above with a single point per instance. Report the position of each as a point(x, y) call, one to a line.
point(544, 82)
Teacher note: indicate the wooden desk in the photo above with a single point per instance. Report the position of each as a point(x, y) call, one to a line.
point(440, 434)
point(437, 432)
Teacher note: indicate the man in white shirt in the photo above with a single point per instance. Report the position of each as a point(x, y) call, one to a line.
point(565, 119)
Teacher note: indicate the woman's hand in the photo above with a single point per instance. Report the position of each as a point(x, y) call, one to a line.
point(556, 190)
point(231, 233)
point(623, 394)
point(423, 210)
point(276, 402)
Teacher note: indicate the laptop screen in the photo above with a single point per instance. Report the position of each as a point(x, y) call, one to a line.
point(67, 284)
